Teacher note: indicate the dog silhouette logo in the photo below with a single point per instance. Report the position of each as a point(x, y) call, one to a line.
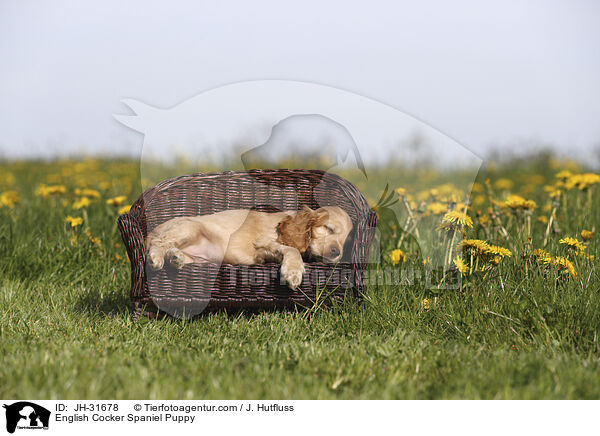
point(26, 415)
point(265, 124)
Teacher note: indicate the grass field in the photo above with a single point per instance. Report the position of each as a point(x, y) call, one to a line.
point(524, 323)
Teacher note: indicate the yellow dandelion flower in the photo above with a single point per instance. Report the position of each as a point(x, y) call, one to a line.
point(497, 251)
point(74, 221)
point(57, 189)
point(477, 187)
point(495, 260)
point(9, 198)
point(124, 209)
point(516, 202)
point(542, 219)
point(572, 243)
point(458, 219)
point(540, 255)
point(92, 193)
point(483, 219)
point(116, 201)
point(426, 303)
point(42, 191)
point(397, 256)
point(563, 175)
point(437, 208)
point(474, 246)
point(401, 191)
point(81, 203)
point(564, 265)
point(582, 181)
point(504, 184)
point(45, 190)
point(586, 235)
point(460, 265)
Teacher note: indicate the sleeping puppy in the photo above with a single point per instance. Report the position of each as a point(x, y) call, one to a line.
point(251, 237)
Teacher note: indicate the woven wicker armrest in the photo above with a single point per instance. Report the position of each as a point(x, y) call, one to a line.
point(133, 239)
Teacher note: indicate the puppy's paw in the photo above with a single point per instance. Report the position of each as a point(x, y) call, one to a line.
point(156, 259)
point(292, 271)
point(176, 257)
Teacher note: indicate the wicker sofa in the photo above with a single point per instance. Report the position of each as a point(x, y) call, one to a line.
point(199, 287)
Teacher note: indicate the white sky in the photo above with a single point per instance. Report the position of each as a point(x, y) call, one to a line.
point(505, 73)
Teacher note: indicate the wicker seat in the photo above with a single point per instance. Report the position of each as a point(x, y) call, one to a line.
point(211, 286)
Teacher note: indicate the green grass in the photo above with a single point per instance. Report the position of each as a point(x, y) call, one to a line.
point(66, 331)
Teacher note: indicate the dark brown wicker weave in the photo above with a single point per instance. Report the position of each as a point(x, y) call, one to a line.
point(229, 286)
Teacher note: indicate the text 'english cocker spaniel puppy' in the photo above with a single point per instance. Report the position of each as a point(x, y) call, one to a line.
point(250, 237)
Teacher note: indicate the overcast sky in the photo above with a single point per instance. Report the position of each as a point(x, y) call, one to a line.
point(485, 73)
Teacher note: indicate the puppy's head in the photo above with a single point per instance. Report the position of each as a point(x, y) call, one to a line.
point(319, 233)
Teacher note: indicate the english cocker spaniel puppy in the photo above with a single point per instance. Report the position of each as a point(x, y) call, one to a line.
point(251, 237)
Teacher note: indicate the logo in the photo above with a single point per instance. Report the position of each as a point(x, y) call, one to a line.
point(26, 415)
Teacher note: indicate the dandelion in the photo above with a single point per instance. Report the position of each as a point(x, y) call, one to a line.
point(586, 235)
point(504, 184)
point(516, 202)
point(81, 203)
point(483, 219)
point(500, 252)
point(553, 191)
point(42, 191)
point(573, 244)
point(582, 181)
point(401, 191)
point(563, 175)
point(94, 240)
point(460, 265)
point(477, 187)
point(397, 256)
point(564, 265)
point(426, 303)
point(116, 201)
point(437, 208)
point(74, 221)
point(124, 209)
point(475, 246)
point(87, 193)
point(9, 198)
point(45, 190)
point(458, 219)
point(541, 255)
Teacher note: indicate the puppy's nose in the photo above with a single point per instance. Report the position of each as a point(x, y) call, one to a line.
point(334, 251)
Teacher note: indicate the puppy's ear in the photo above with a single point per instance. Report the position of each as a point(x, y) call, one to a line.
point(295, 230)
